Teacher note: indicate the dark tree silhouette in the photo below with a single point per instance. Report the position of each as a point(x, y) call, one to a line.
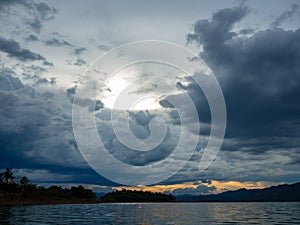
point(1, 177)
point(24, 192)
point(8, 174)
point(24, 181)
point(136, 196)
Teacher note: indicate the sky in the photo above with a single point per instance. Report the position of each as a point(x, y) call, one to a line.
point(49, 49)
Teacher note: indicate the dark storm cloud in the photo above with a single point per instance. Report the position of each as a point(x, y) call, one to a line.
point(13, 49)
point(36, 135)
point(294, 11)
point(26, 129)
point(138, 122)
point(259, 77)
point(219, 28)
point(259, 74)
point(60, 175)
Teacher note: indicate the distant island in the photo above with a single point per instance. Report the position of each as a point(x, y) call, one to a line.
point(136, 196)
point(23, 192)
point(280, 193)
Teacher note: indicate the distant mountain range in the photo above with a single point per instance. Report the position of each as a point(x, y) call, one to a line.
point(280, 193)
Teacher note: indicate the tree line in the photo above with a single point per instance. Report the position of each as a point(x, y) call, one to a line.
point(136, 196)
point(24, 189)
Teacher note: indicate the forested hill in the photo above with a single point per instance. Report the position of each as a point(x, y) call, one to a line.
point(136, 196)
point(280, 193)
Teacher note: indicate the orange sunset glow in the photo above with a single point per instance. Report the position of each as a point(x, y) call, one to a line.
point(220, 186)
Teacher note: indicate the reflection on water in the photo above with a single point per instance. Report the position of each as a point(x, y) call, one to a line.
point(154, 213)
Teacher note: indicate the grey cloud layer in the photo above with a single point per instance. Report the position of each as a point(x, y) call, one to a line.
point(139, 122)
point(36, 133)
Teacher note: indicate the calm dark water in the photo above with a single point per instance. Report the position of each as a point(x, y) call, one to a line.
point(154, 213)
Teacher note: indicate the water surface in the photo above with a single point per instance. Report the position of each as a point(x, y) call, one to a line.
point(154, 213)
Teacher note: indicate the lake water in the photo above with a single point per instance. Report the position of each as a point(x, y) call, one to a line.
point(154, 213)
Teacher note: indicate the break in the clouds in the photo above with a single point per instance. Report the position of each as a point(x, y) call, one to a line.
point(252, 48)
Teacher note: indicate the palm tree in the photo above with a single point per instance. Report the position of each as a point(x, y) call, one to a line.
point(8, 174)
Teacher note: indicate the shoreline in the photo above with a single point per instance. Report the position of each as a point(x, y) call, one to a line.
point(47, 202)
point(71, 202)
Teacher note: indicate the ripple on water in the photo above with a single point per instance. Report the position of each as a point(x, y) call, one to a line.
point(154, 213)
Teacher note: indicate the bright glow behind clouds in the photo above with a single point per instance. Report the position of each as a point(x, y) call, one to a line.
point(141, 85)
point(115, 87)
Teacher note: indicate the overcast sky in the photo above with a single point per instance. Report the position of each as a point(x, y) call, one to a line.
point(252, 47)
